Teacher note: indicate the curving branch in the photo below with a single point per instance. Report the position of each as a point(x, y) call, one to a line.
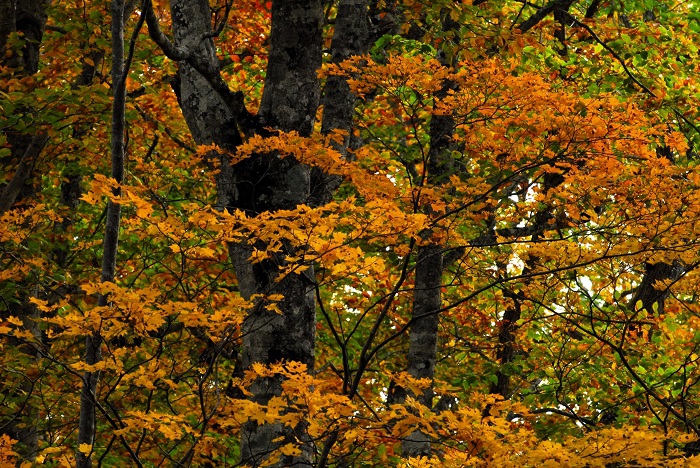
point(539, 15)
point(245, 121)
point(574, 21)
point(24, 170)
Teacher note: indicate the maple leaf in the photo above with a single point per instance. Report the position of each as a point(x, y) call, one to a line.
point(85, 448)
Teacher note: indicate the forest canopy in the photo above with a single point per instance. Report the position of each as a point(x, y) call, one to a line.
point(349, 233)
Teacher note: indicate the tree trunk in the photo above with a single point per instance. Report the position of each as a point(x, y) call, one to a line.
point(507, 327)
point(427, 296)
point(207, 114)
point(93, 343)
point(505, 351)
point(423, 336)
point(23, 172)
point(261, 183)
point(351, 37)
point(265, 182)
point(28, 19)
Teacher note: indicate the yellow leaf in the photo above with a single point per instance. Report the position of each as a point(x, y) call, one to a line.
point(85, 448)
point(205, 252)
point(14, 320)
point(41, 305)
point(290, 449)
point(23, 334)
point(169, 432)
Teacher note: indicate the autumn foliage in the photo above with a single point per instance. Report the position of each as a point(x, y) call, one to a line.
point(546, 153)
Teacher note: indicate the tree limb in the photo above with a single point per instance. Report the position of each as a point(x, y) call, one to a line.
point(24, 170)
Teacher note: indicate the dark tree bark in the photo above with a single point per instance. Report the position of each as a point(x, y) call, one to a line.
point(8, 25)
point(23, 426)
point(650, 297)
point(261, 183)
point(209, 117)
point(28, 20)
point(543, 12)
point(648, 294)
point(352, 36)
point(23, 172)
point(427, 296)
point(423, 336)
point(505, 351)
point(507, 346)
point(265, 182)
point(93, 343)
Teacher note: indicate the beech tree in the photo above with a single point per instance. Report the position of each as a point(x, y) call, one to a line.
point(348, 233)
